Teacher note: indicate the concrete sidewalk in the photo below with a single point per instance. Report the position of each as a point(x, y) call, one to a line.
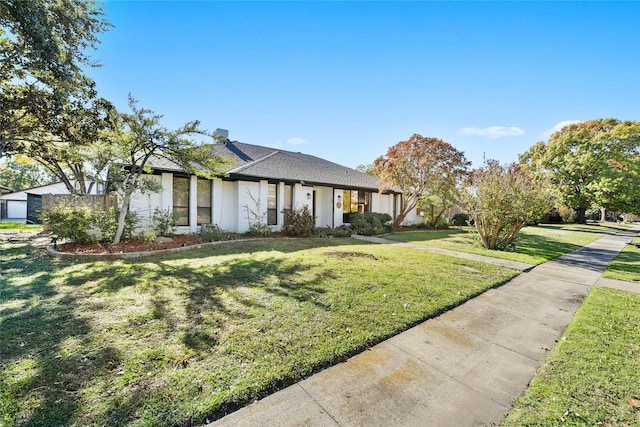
point(463, 368)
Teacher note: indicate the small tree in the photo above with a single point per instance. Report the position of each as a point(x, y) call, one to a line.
point(503, 199)
point(421, 167)
point(137, 138)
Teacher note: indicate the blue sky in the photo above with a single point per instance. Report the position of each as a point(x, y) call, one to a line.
point(346, 80)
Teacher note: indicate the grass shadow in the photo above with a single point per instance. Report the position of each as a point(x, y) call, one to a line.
point(38, 335)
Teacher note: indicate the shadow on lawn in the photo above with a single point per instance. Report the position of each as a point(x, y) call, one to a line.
point(49, 340)
point(225, 290)
point(34, 366)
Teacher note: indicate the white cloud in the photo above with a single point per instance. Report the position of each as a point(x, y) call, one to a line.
point(492, 131)
point(547, 133)
point(296, 141)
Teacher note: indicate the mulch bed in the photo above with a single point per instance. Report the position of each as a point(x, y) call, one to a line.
point(133, 245)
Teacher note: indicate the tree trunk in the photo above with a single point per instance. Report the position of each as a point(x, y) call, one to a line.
point(405, 208)
point(603, 214)
point(124, 209)
point(582, 215)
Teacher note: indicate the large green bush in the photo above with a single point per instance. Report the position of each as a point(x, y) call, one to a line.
point(69, 220)
point(74, 220)
point(371, 223)
point(299, 223)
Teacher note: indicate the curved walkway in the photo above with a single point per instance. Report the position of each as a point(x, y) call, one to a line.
point(463, 368)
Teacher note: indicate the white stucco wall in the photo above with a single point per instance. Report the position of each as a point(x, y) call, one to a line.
point(145, 204)
point(324, 206)
point(251, 204)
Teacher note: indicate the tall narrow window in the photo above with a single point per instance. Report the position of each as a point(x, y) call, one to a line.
point(346, 206)
point(272, 204)
point(288, 197)
point(288, 200)
point(181, 199)
point(204, 201)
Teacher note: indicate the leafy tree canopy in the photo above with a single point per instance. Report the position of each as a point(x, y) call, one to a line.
point(368, 169)
point(592, 163)
point(43, 48)
point(421, 167)
point(21, 172)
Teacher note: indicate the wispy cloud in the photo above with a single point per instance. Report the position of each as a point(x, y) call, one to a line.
point(547, 133)
point(492, 131)
point(296, 141)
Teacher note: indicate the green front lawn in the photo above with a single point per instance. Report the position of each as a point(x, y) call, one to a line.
point(591, 377)
point(626, 266)
point(535, 245)
point(181, 339)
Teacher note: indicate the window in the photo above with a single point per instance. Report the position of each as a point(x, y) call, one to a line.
point(181, 199)
point(288, 197)
point(272, 204)
point(288, 201)
point(204, 201)
point(354, 202)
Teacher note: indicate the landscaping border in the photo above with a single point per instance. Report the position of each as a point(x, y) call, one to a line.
point(132, 255)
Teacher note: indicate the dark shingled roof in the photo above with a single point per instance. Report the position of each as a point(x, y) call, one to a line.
point(252, 162)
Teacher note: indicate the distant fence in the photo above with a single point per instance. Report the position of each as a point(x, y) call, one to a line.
point(97, 201)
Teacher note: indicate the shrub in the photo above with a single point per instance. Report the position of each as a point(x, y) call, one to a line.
point(164, 222)
point(213, 233)
point(441, 224)
point(69, 220)
point(460, 219)
point(299, 223)
point(567, 214)
point(323, 232)
point(259, 229)
point(131, 223)
point(106, 221)
point(338, 232)
point(342, 231)
point(371, 223)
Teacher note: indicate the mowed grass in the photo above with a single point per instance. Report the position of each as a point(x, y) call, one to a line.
point(626, 266)
point(534, 245)
point(591, 377)
point(183, 339)
point(19, 226)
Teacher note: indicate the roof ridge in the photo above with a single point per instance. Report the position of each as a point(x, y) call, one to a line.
point(246, 165)
point(274, 148)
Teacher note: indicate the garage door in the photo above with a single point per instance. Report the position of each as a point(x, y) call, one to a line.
point(16, 209)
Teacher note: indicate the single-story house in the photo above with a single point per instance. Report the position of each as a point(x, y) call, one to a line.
point(27, 204)
point(262, 184)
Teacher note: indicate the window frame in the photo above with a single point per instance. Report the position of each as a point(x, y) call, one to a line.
point(209, 207)
point(178, 207)
point(272, 200)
